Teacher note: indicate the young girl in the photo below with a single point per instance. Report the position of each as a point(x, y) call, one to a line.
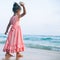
point(14, 42)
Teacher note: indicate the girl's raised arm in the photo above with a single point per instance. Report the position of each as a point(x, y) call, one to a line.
point(8, 28)
point(24, 9)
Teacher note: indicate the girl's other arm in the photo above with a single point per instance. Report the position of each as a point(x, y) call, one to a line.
point(24, 9)
point(8, 28)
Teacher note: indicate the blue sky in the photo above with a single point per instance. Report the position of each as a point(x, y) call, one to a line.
point(42, 18)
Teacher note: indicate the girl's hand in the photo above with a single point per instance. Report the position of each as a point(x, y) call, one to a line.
point(5, 33)
point(21, 3)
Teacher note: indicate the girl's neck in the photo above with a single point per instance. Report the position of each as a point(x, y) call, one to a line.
point(15, 14)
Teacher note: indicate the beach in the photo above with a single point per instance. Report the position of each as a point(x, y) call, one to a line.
point(32, 54)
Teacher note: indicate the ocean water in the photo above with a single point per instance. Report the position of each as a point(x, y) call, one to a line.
point(38, 41)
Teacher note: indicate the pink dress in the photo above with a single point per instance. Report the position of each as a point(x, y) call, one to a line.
point(14, 42)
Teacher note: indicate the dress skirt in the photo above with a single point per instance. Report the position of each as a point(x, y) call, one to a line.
point(14, 42)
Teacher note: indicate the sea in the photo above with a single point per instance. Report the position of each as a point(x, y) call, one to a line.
point(45, 42)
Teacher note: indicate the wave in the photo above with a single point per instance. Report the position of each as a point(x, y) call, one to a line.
point(38, 41)
point(44, 47)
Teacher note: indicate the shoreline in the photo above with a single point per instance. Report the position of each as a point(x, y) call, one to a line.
point(32, 54)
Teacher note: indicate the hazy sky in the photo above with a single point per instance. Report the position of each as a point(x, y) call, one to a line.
point(42, 18)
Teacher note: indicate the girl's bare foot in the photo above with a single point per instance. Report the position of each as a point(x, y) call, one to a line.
point(7, 54)
point(19, 55)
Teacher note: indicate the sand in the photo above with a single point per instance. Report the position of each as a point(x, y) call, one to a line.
point(32, 54)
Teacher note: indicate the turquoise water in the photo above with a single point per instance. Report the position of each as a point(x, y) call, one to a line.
point(38, 41)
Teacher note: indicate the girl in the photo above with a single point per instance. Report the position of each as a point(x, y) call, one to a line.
point(14, 42)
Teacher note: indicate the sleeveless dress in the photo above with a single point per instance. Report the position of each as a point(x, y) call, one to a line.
point(14, 42)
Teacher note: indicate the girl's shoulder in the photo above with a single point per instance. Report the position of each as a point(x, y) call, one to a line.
point(14, 16)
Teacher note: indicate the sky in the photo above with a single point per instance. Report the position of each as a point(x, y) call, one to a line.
point(42, 18)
